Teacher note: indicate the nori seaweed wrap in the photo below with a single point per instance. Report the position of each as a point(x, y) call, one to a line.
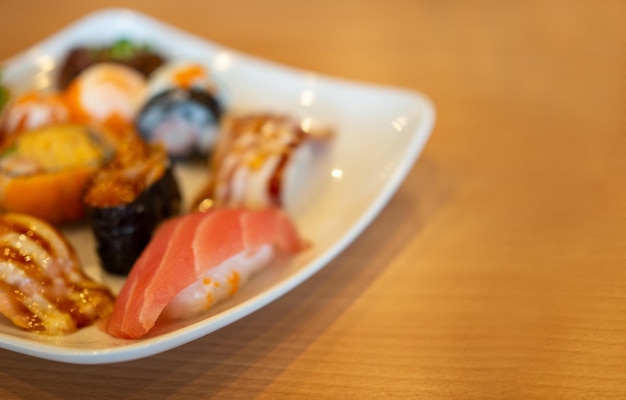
point(126, 201)
point(186, 121)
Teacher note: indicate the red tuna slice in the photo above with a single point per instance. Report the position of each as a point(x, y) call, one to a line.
point(218, 238)
point(268, 226)
point(138, 278)
point(182, 250)
point(241, 229)
point(164, 268)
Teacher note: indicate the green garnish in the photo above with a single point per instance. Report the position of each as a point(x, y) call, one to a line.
point(124, 49)
point(11, 150)
point(4, 93)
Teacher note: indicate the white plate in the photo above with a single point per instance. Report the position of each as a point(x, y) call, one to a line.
point(380, 133)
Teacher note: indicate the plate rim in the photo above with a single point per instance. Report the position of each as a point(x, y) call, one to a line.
point(152, 346)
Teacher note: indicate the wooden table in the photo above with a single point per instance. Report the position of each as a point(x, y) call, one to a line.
point(498, 270)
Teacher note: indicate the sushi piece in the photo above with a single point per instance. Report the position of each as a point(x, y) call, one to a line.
point(106, 94)
point(44, 171)
point(183, 111)
point(127, 199)
point(183, 74)
point(30, 111)
point(138, 56)
point(196, 260)
point(42, 286)
point(185, 121)
point(258, 157)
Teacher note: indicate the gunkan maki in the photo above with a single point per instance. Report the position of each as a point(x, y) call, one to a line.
point(127, 199)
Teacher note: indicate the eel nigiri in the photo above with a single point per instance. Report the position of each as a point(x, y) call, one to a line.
point(136, 55)
point(197, 259)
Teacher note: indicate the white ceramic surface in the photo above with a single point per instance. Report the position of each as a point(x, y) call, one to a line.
point(380, 132)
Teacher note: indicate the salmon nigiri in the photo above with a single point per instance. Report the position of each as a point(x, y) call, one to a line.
point(196, 260)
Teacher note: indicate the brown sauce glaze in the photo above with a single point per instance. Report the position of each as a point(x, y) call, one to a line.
point(275, 184)
point(24, 277)
point(248, 142)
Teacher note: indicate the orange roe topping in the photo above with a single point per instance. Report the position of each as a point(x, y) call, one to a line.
point(186, 76)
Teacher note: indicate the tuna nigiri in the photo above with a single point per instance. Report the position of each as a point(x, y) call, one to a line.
point(194, 261)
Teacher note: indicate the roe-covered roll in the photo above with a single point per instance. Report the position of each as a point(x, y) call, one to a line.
point(127, 199)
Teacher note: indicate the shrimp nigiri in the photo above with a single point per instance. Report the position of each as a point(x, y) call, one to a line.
point(42, 287)
point(255, 158)
point(30, 111)
point(196, 260)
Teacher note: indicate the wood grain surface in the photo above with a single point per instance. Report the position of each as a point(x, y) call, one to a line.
point(498, 270)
